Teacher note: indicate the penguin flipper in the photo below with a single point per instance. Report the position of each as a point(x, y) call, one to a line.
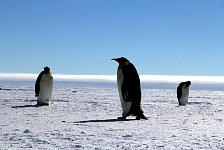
point(37, 88)
point(179, 93)
point(37, 84)
point(124, 90)
point(179, 101)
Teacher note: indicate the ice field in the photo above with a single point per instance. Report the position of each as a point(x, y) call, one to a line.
point(83, 116)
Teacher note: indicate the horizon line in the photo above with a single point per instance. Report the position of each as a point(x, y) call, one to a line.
point(146, 78)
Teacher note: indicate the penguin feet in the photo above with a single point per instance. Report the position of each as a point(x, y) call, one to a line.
point(121, 118)
point(141, 116)
point(41, 104)
point(137, 118)
point(182, 104)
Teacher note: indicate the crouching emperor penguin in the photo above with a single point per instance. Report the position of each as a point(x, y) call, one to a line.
point(44, 87)
point(183, 92)
point(129, 89)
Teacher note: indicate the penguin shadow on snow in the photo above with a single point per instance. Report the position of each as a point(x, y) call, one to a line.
point(28, 106)
point(102, 120)
point(198, 103)
point(195, 103)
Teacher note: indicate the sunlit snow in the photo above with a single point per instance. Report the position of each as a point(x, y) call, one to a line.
point(83, 113)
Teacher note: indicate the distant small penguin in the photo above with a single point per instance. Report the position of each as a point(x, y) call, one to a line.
point(183, 92)
point(44, 87)
point(129, 89)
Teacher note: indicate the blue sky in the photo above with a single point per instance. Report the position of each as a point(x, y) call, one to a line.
point(161, 37)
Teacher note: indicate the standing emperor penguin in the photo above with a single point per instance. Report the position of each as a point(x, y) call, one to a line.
point(129, 89)
point(183, 92)
point(44, 87)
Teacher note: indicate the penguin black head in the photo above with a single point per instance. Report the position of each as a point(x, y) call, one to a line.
point(46, 69)
point(188, 83)
point(121, 60)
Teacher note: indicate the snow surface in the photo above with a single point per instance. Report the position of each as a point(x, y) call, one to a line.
point(83, 116)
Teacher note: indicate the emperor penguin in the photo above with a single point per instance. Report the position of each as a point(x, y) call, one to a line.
point(44, 87)
point(129, 89)
point(183, 92)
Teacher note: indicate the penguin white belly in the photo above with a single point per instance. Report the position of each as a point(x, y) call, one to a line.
point(184, 97)
point(125, 105)
point(46, 89)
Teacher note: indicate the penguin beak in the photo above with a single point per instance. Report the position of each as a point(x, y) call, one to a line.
point(115, 59)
